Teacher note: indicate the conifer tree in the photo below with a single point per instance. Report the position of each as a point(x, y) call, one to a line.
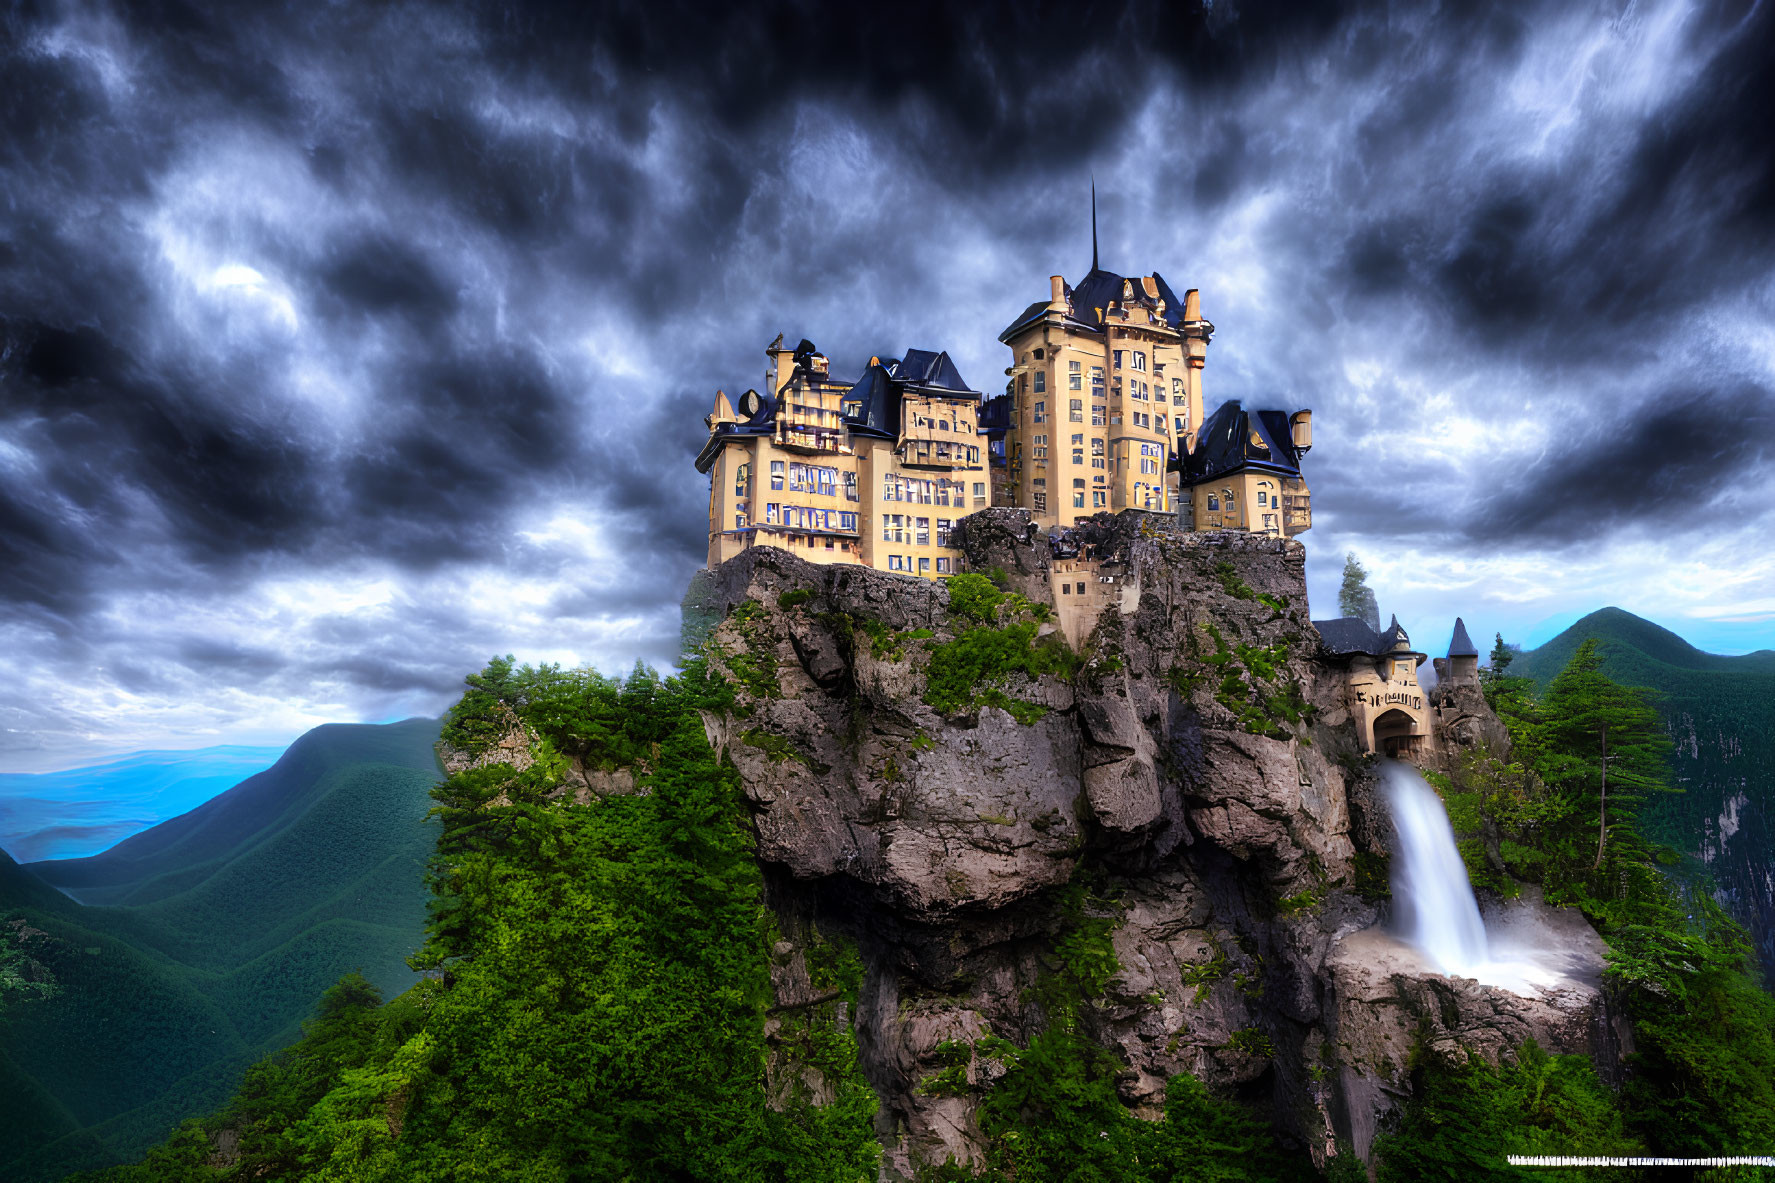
point(1355, 597)
point(1606, 740)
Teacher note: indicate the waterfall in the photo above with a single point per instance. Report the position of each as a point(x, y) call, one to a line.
point(1433, 903)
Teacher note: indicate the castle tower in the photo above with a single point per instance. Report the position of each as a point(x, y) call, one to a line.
point(1104, 391)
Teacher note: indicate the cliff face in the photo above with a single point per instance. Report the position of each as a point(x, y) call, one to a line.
point(1196, 759)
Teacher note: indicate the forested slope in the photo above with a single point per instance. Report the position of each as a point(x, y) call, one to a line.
point(205, 941)
point(1721, 714)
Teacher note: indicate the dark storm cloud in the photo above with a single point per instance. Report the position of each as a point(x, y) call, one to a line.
point(1680, 460)
point(370, 302)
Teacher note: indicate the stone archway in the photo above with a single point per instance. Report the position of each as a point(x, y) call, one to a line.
point(1398, 733)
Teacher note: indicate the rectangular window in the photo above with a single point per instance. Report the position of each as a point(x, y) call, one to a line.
point(1041, 503)
point(1098, 414)
point(770, 514)
point(1140, 360)
point(1041, 381)
point(739, 521)
point(850, 486)
point(776, 474)
point(893, 562)
point(1096, 447)
point(1263, 498)
point(924, 531)
point(890, 488)
point(1096, 375)
point(979, 492)
point(973, 455)
point(847, 521)
point(1076, 412)
point(924, 566)
point(1118, 359)
point(944, 525)
point(1041, 412)
point(1073, 366)
point(741, 475)
point(1075, 381)
point(795, 477)
point(1078, 499)
point(1099, 498)
point(942, 565)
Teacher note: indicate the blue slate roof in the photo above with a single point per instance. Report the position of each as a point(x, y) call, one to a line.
point(1225, 445)
point(1345, 635)
point(1098, 290)
point(1461, 645)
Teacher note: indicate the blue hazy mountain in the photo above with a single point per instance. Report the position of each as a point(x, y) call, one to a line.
point(189, 949)
point(1721, 712)
point(81, 811)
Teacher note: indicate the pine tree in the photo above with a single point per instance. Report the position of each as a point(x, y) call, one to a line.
point(1355, 597)
point(1607, 738)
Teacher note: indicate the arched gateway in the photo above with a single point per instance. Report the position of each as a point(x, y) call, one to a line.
point(1380, 675)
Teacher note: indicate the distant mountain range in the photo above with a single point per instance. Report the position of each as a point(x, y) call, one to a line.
point(1721, 711)
point(201, 943)
point(81, 811)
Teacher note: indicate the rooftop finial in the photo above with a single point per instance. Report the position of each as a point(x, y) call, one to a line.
point(1093, 222)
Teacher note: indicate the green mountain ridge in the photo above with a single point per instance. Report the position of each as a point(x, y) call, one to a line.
point(202, 942)
point(1720, 710)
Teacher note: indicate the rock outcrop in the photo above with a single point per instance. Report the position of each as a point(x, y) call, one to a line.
point(1196, 757)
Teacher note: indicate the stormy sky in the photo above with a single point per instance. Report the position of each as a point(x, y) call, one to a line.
point(344, 346)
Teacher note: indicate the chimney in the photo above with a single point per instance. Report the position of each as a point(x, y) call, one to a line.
point(1192, 305)
point(1057, 293)
point(1300, 427)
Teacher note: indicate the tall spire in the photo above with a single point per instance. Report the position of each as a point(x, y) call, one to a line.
point(1093, 222)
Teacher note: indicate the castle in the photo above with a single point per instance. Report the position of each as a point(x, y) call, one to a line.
point(1102, 412)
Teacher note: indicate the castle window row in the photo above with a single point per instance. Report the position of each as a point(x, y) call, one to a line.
point(905, 563)
point(898, 527)
point(800, 517)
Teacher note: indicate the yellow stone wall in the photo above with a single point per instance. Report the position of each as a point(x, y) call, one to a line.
point(828, 496)
point(1096, 417)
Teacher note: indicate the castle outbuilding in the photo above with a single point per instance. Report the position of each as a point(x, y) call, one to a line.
point(1244, 473)
point(1381, 681)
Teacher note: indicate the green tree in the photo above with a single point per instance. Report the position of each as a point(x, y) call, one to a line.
point(1355, 597)
point(1603, 736)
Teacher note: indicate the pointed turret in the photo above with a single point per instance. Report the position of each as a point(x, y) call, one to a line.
point(1463, 655)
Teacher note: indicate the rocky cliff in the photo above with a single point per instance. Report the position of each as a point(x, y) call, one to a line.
point(929, 774)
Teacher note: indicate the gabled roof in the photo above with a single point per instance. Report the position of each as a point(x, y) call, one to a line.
point(884, 384)
point(1347, 634)
point(922, 368)
point(1100, 289)
point(1225, 445)
point(1394, 636)
point(1461, 645)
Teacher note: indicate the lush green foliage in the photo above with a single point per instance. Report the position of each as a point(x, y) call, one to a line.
point(603, 982)
point(973, 669)
point(1703, 1079)
point(214, 939)
point(1465, 1118)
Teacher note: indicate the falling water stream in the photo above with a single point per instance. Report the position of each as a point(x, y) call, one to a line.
point(1433, 905)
